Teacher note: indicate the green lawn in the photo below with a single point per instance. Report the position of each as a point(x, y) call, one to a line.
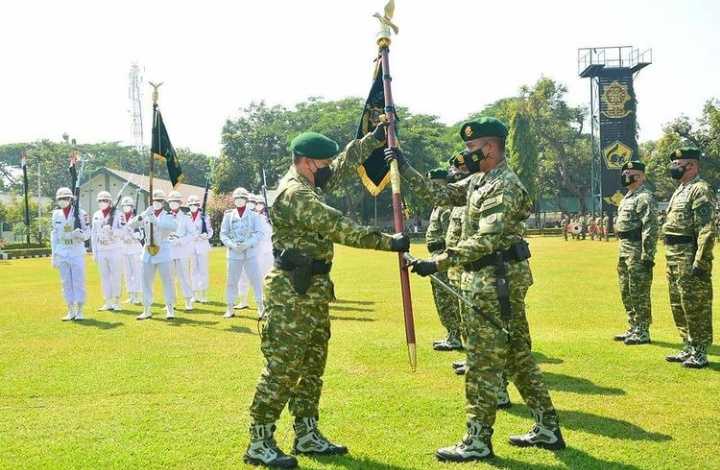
point(114, 392)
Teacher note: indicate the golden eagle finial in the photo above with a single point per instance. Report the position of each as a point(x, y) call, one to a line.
point(386, 19)
point(155, 94)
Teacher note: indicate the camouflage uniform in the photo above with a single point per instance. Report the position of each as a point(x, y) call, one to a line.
point(637, 230)
point(445, 303)
point(497, 206)
point(691, 214)
point(295, 337)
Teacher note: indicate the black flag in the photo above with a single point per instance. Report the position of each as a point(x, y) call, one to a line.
point(162, 148)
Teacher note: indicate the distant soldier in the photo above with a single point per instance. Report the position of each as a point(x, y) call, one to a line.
point(606, 226)
point(637, 232)
point(199, 249)
point(67, 245)
point(263, 251)
point(600, 227)
point(689, 234)
point(181, 248)
point(107, 248)
point(131, 252)
point(446, 305)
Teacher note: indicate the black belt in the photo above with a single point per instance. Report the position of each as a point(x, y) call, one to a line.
point(288, 260)
point(517, 252)
point(436, 246)
point(678, 239)
point(632, 235)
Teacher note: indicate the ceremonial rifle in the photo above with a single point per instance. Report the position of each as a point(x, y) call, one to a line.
point(111, 218)
point(76, 205)
point(264, 191)
point(203, 221)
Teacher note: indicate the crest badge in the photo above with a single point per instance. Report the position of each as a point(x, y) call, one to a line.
point(615, 97)
point(468, 132)
point(616, 155)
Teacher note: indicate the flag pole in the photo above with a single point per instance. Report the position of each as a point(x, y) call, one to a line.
point(152, 247)
point(383, 42)
point(23, 160)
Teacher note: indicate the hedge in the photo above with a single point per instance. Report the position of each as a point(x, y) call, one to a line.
point(23, 246)
point(27, 253)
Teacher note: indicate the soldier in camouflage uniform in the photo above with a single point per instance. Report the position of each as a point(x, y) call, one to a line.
point(446, 305)
point(689, 233)
point(496, 278)
point(298, 290)
point(637, 231)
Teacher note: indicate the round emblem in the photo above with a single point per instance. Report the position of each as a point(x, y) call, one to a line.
point(468, 131)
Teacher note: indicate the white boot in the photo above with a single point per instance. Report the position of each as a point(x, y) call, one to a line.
point(229, 313)
point(241, 306)
point(78, 311)
point(115, 305)
point(203, 297)
point(105, 306)
point(147, 313)
point(195, 297)
point(169, 312)
point(188, 304)
point(70, 313)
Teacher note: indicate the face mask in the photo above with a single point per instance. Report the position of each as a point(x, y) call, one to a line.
point(676, 172)
point(472, 160)
point(322, 176)
point(194, 208)
point(63, 203)
point(627, 180)
point(240, 202)
point(260, 207)
point(251, 205)
point(174, 206)
point(104, 205)
point(128, 209)
point(157, 205)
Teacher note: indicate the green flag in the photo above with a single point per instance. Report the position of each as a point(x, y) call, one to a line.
point(162, 148)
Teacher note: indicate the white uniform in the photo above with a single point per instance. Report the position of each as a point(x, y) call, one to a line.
point(163, 224)
point(132, 257)
point(106, 243)
point(199, 253)
point(241, 235)
point(264, 256)
point(68, 254)
point(180, 250)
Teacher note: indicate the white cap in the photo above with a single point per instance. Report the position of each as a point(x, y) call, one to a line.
point(193, 199)
point(174, 196)
point(127, 201)
point(64, 193)
point(104, 196)
point(240, 193)
point(158, 194)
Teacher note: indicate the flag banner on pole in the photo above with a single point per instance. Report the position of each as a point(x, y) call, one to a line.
point(374, 172)
point(163, 149)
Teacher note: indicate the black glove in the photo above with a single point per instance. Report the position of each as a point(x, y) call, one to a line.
point(424, 267)
point(394, 154)
point(400, 242)
point(649, 264)
point(699, 272)
point(380, 132)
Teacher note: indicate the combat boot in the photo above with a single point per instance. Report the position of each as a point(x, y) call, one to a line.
point(475, 445)
point(623, 336)
point(263, 450)
point(640, 336)
point(540, 436)
point(309, 440)
point(169, 312)
point(460, 370)
point(698, 359)
point(70, 313)
point(681, 356)
point(503, 399)
point(458, 364)
point(452, 343)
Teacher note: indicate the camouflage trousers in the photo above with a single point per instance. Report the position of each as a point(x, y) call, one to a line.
point(447, 306)
point(691, 303)
point(492, 355)
point(295, 345)
point(635, 281)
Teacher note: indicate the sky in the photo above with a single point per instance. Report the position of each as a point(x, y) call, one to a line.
point(65, 64)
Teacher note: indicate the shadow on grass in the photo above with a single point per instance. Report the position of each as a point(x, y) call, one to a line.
point(570, 457)
point(541, 358)
point(714, 350)
point(353, 462)
point(358, 302)
point(363, 319)
point(600, 425)
point(99, 324)
point(244, 330)
point(350, 309)
point(568, 383)
point(182, 321)
point(214, 303)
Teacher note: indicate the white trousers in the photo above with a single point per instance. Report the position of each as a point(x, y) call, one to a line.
point(149, 270)
point(199, 271)
point(110, 266)
point(236, 268)
point(181, 273)
point(265, 264)
point(132, 271)
point(72, 276)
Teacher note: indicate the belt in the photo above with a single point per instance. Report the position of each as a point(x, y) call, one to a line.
point(517, 252)
point(436, 246)
point(678, 239)
point(289, 262)
point(632, 235)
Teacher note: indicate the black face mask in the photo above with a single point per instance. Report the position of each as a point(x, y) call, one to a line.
point(473, 159)
point(676, 172)
point(322, 176)
point(627, 180)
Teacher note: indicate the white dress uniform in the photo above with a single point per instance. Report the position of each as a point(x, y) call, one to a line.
point(200, 254)
point(68, 255)
point(132, 251)
point(265, 260)
point(163, 225)
point(180, 250)
point(240, 232)
point(106, 243)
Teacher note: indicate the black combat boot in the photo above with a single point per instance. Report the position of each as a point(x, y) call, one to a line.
point(263, 450)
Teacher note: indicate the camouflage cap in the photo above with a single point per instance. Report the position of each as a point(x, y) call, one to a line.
point(686, 153)
point(484, 126)
point(314, 145)
point(633, 165)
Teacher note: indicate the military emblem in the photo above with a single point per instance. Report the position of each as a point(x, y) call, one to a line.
point(678, 153)
point(630, 166)
point(615, 97)
point(616, 154)
point(615, 199)
point(468, 132)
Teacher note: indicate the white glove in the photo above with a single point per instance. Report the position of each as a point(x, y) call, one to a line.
point(231, 246)
point(241, 246)
point(150, 217)
point(204, 236)
point(107, 229)
point(78, 234)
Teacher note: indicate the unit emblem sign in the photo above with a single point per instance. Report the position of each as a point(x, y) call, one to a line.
point(615, 97)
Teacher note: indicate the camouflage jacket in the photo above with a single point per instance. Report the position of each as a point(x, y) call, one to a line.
point(453, 237)
point(302, 221)
point(437, 225)
point(638, 210)
point(691, 212)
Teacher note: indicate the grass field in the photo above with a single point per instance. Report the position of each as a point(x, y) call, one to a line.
point(112, 392)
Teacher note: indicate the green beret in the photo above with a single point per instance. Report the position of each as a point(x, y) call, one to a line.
point(633, 165)
point(314, 145)
point(438, 174)
point(483, 127)
point(686, 153)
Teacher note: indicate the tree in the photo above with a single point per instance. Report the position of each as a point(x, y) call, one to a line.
point(522, 152)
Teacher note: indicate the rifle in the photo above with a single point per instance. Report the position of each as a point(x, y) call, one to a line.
point(76, 205)
point(204, 228)
point(264, 193)
point(111, 218)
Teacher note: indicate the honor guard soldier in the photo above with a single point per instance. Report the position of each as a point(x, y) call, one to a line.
point(689, 233)
point(132, 251)
point(263, 251)
point(298, 292)
point(106, 244)
point(163, 225)
point(199, 249)
point(240, 232)
point(180, 248)
point(496, 277)
point(67, 245)
point(637, 231)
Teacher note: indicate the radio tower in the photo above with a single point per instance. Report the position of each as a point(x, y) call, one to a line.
point(135, 82)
